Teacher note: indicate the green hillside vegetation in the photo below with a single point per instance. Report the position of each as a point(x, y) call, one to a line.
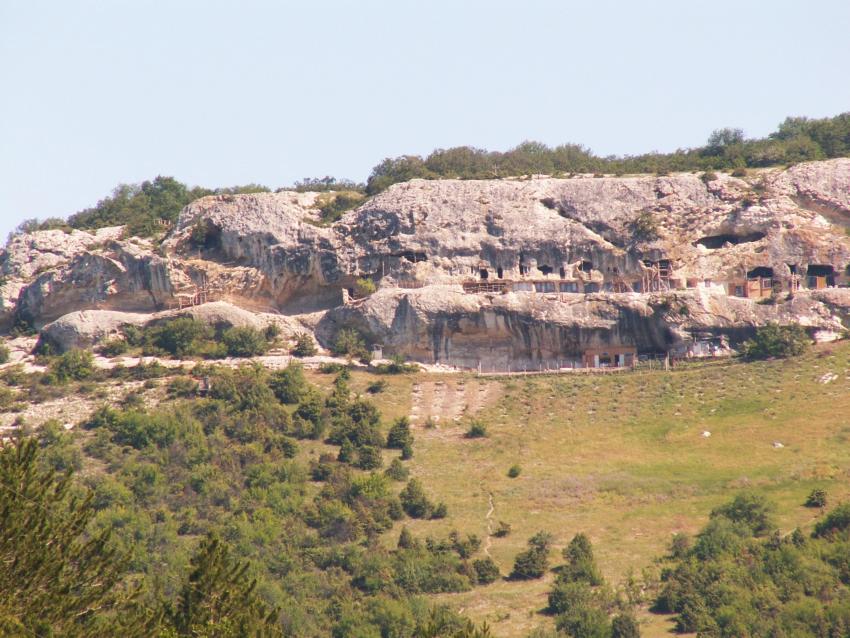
point(324, 513)
point(797, 139)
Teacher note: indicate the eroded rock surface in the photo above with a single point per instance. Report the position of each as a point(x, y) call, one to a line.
point(514, 270)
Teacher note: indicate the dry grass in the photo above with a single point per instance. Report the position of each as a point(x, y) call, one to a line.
point(623, 459)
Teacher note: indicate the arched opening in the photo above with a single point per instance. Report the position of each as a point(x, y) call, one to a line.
point(562, 272)
point(483, 273)
point(586, 266)
point(499, 273)
point(546, 270)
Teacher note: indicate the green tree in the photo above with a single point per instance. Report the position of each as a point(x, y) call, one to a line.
point(55, 579)
point(774, 340)
point(289, 385)
point(581, 565)
point(245, 341)
point(219, 600)
point(304, 346)
point(399, 435)
point(73, 365)
point(533, 562)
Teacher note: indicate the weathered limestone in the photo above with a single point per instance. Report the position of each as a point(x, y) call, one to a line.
point(684, 244)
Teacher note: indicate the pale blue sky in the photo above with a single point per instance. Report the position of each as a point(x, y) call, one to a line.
point(218, 93)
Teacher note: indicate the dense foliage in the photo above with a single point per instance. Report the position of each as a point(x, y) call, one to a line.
point(774, 340)
point(146, 206)
point(210, 526)
point(740, 578)
point(797, 139)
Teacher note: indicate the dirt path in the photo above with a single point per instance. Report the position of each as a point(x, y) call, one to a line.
point(489, 518)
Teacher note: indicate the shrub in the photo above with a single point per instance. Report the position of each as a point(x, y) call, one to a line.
point(396, 471)
point(774, 340)
point(477, 430)
point(369, 457)
point(708, 176)
point(399, 435)
point(377, 386)
point(514, 471)
point(625, 626)
point(181, 337)
point(644, 227)
point(533, 562)
point(838, 520)
point(817, 498)
point(414, 500)
point(182, 387)
point(304, 346)
point(289, 385)
point(73, 365)
point(739, 172)
point(751, 510)
point(364, 287)
point(396, 366)
point(114, 347)
point(440, 511)
point(502, 529)
point(4, 354)
point(581, 565)
point(245, 341)
point(486, 570)
point(349, 343)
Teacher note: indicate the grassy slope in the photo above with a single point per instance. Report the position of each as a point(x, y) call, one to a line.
point(623, 459)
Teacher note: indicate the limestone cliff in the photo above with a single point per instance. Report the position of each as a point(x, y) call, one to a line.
point(522, 269)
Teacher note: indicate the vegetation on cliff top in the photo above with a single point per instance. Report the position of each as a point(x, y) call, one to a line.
point(797, 139)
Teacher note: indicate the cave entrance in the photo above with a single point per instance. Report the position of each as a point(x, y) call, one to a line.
point(499, 272)
point(713, 242)
point(546, 270)
point(562, 272)
point(586, 266)
point(483, 273)
point(819, 276)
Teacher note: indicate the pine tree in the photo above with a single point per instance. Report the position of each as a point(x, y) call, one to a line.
point(218, 600)
point(55, 579)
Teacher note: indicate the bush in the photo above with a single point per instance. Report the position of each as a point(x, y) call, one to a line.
point(486, 570)
point(502, 529)
point(514, 471)
point(625, 626)
point(181, 337)
point(114, 347)
point(838, 520)
point(750, 510)
point(396, 366)
point(708, 176)
point(73, 365)
point(377, 386)
point(581, 565)
point(4, 354)
point(477, 430)
point(182, 387)
point(817, 498)
point(414, 500)
point(533, 562)
point(399, 435)
point(396, 471)
point(739, 172)
point(289, 385)
point(349, 343)
point(304, 346)
point(245, 341)
point(364, 287)
point(369, 457)
point(774, 340)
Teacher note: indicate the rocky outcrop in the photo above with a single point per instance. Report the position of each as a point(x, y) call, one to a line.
point(85, 328)
point(640, 246)
point(441, 324)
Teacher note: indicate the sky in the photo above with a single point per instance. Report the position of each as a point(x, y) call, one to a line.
point(214, 93)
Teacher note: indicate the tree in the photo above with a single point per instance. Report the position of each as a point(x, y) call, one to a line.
point(218, 600)
point(749, 509)
point(486, 570)
point(244, 341)
point(304, 346)
point(289, 385)
point(55, 579)
point(74, 365)
point(533, 562)
point(399, 435)
point(722, 138)
point(774, 340)
point(414, 501)
point(581, 565)
point(625, 626)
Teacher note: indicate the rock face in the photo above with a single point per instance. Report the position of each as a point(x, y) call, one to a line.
point(525, 270)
